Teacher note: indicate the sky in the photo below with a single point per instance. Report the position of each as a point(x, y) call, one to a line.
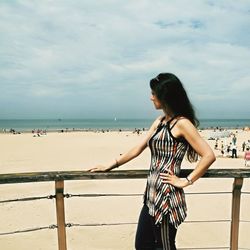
point(94, 59)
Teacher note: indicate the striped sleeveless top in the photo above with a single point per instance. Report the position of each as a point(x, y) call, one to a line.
point(167, 153)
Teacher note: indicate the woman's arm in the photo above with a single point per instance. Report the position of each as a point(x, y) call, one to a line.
point(184, 128)
point(131, 154)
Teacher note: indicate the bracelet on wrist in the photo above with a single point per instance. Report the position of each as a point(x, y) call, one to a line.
point(190, 182)
point(116, 164)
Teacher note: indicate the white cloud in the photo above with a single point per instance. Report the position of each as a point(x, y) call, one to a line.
point(65, 50)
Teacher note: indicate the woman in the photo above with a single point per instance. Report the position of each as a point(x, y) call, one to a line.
point(170, 137)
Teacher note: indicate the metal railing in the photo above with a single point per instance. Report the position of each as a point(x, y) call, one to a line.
point(61, 176)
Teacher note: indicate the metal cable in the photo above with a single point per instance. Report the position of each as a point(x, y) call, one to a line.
point(92, 225)
point(29, 230)
point(202, 221)
point(99, 224)
point(204, 248)
point(190, 193)
point(131, 223)
point(29, 199)
point(107, 195)
point(97, 195)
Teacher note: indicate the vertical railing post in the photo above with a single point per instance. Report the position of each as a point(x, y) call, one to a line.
point(60, 214)
point(235, 217)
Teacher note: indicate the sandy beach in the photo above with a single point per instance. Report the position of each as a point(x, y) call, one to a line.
point(82, 150)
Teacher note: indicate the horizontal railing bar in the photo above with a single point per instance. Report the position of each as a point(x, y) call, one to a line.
point(245, 192)
point(246, 221)
point(120, 174)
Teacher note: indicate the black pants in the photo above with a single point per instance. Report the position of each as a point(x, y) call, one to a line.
point(154, 237)
point(234, 153)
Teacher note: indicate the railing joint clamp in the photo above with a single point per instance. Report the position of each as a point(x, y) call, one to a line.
point(51, 196)
point(52, 226)
point(68, 195)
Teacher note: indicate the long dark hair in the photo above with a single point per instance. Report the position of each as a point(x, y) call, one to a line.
point(174, 99)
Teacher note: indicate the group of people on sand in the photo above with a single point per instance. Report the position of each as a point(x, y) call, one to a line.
point(38, 132)
point(11, 130)
point(138, 131)
point(230, 149)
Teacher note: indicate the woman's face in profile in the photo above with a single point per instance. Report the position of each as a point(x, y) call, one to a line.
point(155, 100)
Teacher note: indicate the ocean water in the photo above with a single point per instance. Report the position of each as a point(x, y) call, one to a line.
point(106, 124)
point(77, 124)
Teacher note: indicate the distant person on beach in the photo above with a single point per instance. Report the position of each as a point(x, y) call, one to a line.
point(222, 148)
point(247, 156)
point(243, 146)
point(234, 151)
point(229, 148)
point(170, 137)
point(216, 144)
point(234, 139)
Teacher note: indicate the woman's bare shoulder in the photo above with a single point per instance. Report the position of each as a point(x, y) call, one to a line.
point(183, 122)
point(157, 122)
point(185, 126)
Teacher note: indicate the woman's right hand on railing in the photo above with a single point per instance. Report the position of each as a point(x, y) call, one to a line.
point(99, 168)
point(102, 168)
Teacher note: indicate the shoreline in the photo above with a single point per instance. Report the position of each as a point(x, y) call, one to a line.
point(96, 125)
point(106, 130)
